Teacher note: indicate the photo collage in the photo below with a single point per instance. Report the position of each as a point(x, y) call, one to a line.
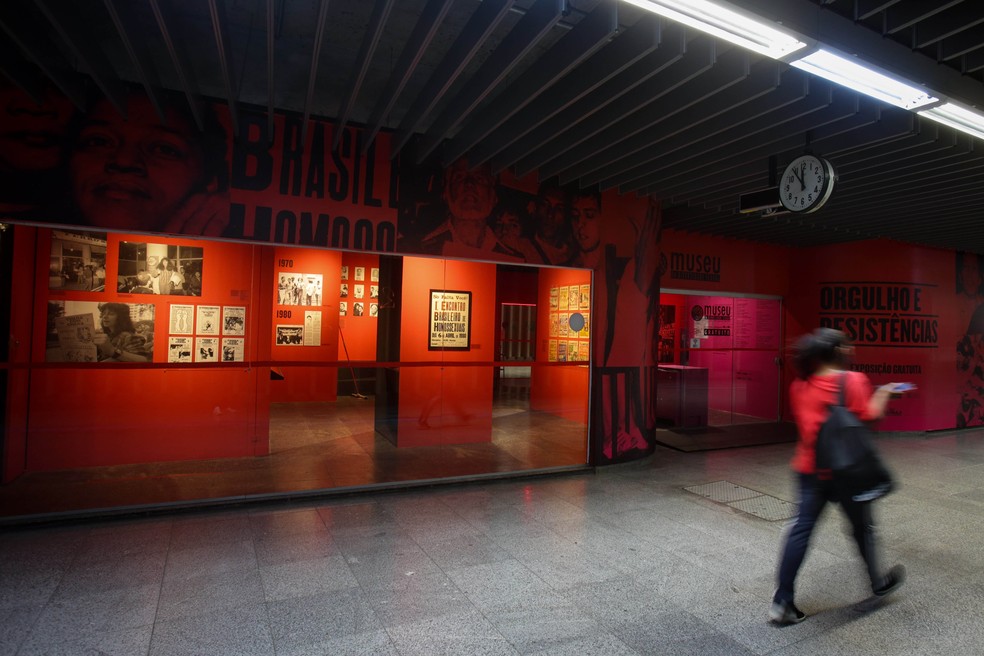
point(359, 297)
point(570, 322)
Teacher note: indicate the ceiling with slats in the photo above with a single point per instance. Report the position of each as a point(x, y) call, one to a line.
point(596, 92)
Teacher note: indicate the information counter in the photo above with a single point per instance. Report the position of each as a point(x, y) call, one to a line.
point(681, 395)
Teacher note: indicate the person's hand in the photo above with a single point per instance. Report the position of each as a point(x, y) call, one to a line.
point(647, 246)
point(898, 389)
point(205, 214)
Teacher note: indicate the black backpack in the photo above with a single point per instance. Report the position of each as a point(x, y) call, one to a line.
point(846, 448)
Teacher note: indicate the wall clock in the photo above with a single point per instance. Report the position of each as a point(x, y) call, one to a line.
point(806, 184)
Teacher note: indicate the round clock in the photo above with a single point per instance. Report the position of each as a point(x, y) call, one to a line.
point(806, 184)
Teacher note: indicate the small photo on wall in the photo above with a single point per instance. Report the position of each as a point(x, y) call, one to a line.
point(233, 349)
point(179, 349)
point(373, 291)
point(207, 349)
point(342, 309)
point(78, 261)
point(290, 335)
point(373, 309)
point(164, 269)
point(299, 288)
point(360, 291)
point(360, 274)
point(87, 331)
point(345, 273)
point(208, 320)
point(344, 291)
point(358, 309)
point(233, 320)
point(374, 274)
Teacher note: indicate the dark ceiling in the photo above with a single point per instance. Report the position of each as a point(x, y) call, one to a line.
point(594, 91)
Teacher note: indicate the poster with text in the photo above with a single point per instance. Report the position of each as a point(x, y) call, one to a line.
point(233, 320)
point(450, 320)
point(312, 328)
point(206, 349)
point(182, 321)
point(208, 320)
point(179, 349)
point(233, 349)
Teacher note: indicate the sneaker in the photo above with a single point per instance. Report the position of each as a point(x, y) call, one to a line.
point(893, 580)
point(786, 612)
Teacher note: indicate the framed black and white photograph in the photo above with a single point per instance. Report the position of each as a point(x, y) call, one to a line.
point(78, 261)
point(299, 288)
point(290, 335)
point(233, 320)
point(450, 320)
point(374, 274)
point(344, 273)
point(163, 269)
point(360, 274)
point(88, 331)
point(358, 309)
point(360, 291)
point(342, 308)
point(374, 309)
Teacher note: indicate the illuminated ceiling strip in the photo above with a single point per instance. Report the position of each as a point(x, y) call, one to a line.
point(746, 30)
point(726, 23)
point(958, 118)
point(849, 73)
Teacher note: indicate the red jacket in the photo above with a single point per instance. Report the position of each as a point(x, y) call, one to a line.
point(811, 399)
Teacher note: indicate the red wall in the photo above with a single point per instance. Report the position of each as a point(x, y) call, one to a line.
point(112, 413)
point(445, 404)
point(915, 289)
point(305, 382)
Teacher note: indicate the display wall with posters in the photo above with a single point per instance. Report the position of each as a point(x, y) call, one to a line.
point(120, 366)
point(304, 324)
point(564, 337)
point(272, 189)
point(437, 395)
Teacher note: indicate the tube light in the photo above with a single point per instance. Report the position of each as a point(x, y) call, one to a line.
point(727, 24)
point(958, 118)
point(849, 73)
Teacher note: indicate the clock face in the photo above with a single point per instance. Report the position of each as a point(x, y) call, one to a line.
point(806, 184)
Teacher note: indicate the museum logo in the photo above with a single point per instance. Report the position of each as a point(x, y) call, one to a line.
point(694, 266)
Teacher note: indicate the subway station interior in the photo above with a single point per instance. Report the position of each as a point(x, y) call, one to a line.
point(327, 294)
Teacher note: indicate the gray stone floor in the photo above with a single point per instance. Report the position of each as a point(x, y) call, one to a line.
point(622, 561)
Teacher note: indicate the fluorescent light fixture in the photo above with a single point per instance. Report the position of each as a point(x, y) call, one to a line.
point(957, 117)
point(847, 72)
point(724, 23)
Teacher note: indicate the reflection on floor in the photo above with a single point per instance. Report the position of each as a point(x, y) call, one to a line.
point(314, 446)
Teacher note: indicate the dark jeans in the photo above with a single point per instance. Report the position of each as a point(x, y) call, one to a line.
point(813, 497)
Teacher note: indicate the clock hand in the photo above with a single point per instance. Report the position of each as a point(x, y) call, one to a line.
point(802, 176)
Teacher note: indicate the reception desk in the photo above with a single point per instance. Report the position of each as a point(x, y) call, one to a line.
point(681, 395)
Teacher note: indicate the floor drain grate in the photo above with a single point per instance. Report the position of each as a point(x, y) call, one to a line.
point(723, 491)
point(746, 500)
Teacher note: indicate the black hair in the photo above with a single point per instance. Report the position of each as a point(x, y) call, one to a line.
point(124, 324)
point(589, 192)
point(824, 346)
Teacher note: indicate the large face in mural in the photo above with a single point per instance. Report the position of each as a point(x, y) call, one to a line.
point(138, 172)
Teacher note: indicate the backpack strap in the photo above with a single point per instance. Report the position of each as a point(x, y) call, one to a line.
point(842, 401)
